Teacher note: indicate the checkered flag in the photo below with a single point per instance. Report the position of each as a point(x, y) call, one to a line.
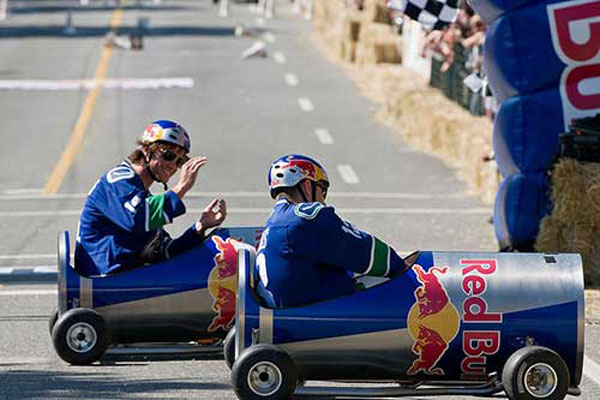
point(432, 14)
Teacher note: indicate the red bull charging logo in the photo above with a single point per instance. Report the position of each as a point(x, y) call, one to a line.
point(433, 321)
point(222, 283)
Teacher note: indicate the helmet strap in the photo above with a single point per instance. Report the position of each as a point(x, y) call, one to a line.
point(301, 190)
point(149, 170)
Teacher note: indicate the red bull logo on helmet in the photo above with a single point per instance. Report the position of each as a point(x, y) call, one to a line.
point(480, 343)
point(433, 321)
point(222, 282)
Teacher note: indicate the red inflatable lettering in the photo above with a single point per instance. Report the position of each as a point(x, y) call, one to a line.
point(564, 16)
point(575, 77)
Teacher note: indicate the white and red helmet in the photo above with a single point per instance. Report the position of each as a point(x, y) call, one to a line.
point(167, 131)
point(291, 169)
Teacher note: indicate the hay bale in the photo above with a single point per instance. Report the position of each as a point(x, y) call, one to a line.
point(376, 11)
point(574, 225)
point(377, 43)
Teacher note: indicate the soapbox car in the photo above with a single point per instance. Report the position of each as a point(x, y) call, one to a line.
point(159, 309)
point(454, 323)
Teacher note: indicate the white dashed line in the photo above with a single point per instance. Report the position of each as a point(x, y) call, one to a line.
point(279, 57)
point(305, 104)
point(90, 84)
point(269, 37)
point(354, 195)
point(260, 21)
point(324, 136)
point(291, 79)
point(591, 369)
point(348, 174)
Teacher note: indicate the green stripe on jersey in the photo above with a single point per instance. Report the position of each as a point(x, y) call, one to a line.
point(155, 218)
point(380, 258)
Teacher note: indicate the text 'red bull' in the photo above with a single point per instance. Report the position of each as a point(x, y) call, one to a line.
point(477, 344)
point(221, 284)
point(436, 322)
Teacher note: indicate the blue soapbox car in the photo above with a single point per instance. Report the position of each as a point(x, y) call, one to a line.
point(156, 310)
point(453, 324)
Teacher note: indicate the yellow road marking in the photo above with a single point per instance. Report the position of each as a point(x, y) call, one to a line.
point(68, 157)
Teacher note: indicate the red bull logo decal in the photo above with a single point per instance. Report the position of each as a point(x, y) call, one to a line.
point(478, 344)
point(433, 321)
point(222, 282)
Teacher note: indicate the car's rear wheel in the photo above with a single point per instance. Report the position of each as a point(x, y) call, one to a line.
point(229, 348)
point(533, 373)
point(263, 372)
point(80, 336)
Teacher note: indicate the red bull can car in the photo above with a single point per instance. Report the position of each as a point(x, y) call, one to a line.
point(454, 323)
point(186, 299)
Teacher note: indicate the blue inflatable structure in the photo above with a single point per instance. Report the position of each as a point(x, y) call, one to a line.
point(542, 59)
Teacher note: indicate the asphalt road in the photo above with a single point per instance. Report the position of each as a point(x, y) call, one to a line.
point(241, 113)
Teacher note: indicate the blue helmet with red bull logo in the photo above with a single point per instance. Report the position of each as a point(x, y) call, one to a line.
point(166, 131)
point(291, 169)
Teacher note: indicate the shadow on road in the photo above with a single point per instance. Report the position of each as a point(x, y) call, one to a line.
point(72, 385)
point(98, 31)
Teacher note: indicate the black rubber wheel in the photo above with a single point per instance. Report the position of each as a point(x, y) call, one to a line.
point(52, 320)
point(263, 371)
point(80, 336)
point(229, 348)
point(533, 373)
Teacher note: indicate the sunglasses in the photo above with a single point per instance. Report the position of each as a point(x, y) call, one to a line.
point(324, 189)
point(170, 156)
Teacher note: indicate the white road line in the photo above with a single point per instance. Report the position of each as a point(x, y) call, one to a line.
point(260, 21)
point(90, 84)
point(363, 195)
point(38, 269)
point(348, 174)
point(591, 369)
point(291, 79)
point(251, 210)
point(306, 104)
point(279, 57)
point(26, 256)
point(269, 37)
point(30, 292)
point(23, 191)
point(323, 135)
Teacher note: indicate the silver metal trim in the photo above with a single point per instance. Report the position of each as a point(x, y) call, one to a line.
point(396, 391)
point(265, 326)
point(579, 284)
point(86, 292)
point(62, 273)
point(240, 304)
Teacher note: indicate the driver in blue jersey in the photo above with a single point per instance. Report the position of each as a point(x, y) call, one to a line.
point(121, 225)
point(307, 252)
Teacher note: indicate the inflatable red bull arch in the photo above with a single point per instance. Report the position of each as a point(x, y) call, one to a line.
point(542, 59)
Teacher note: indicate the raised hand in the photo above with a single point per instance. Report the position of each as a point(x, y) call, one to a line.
point(213, 215)
point(188, 174)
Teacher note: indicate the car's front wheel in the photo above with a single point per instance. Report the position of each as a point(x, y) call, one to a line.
point(533, 373)
point(229, 348)
point(263, 372)
point(80, 336)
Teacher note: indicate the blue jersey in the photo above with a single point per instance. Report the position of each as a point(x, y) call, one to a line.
point(121, 225)
point(308, 253)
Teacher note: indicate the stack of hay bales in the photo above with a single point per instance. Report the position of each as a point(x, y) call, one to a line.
point(574, 225)
point(378, 43)
point(426, 119)
point(436, 125)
